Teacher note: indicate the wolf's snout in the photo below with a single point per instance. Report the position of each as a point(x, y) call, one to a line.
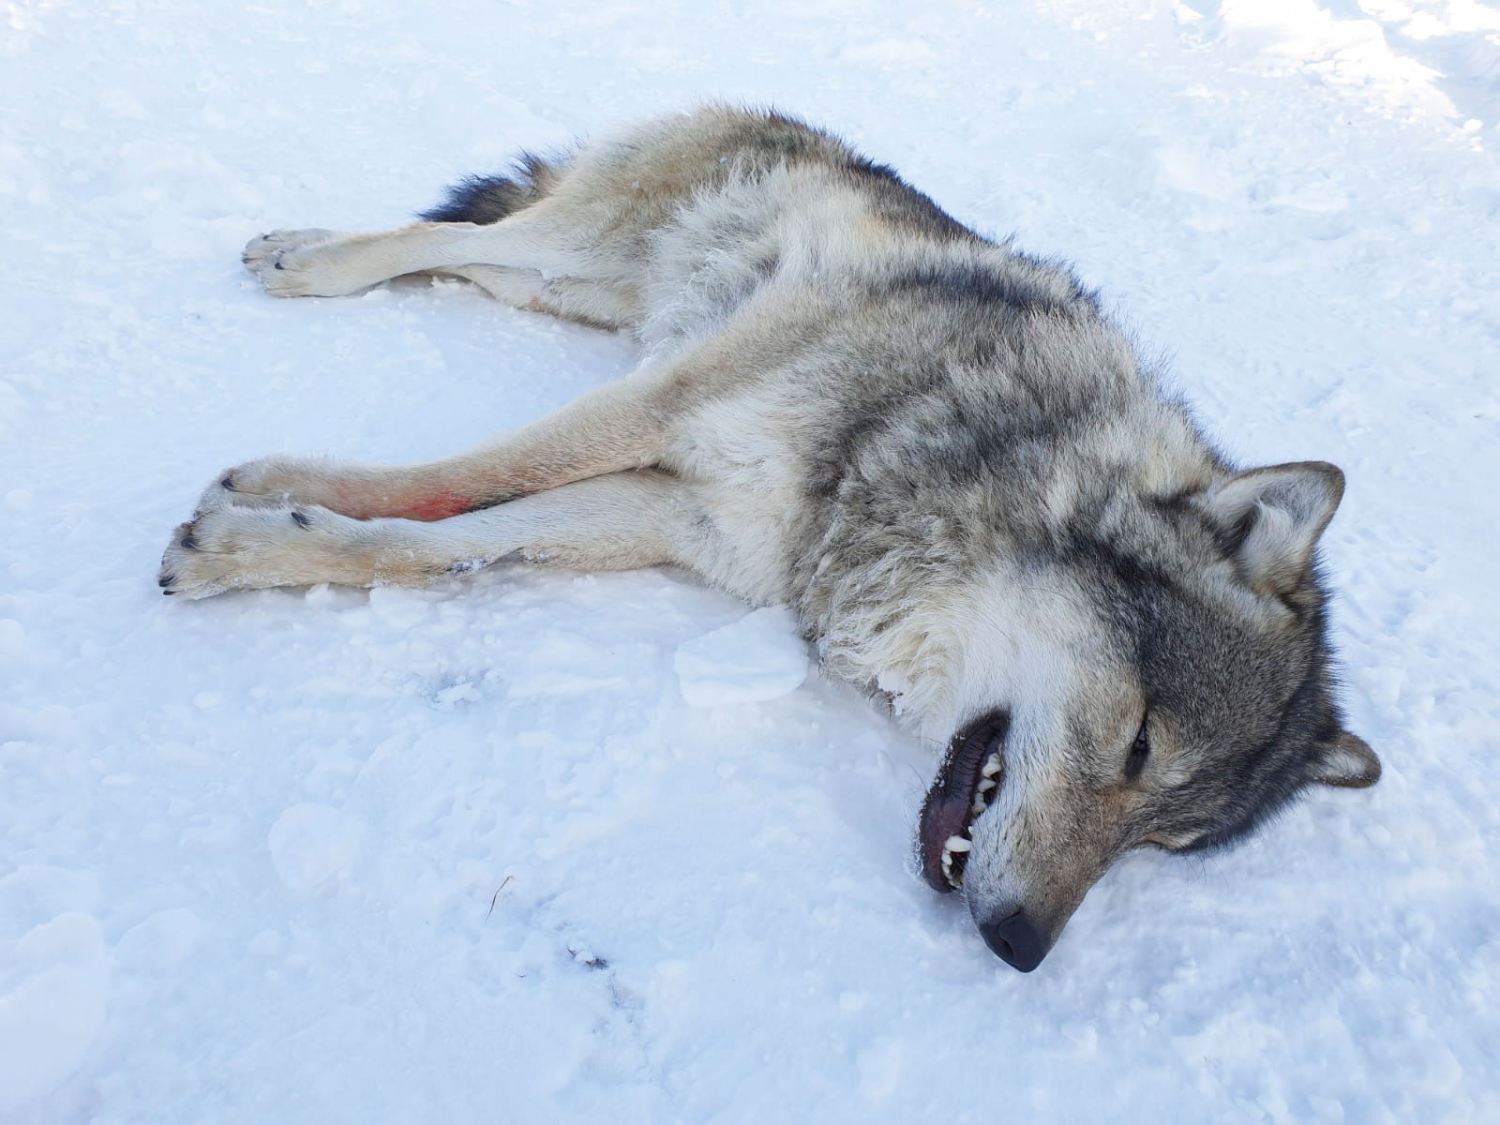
point(1014, 939)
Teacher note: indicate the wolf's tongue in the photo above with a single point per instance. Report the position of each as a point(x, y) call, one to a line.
point(950, 801)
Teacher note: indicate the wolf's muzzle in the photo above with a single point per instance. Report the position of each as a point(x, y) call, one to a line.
point(1014, 939)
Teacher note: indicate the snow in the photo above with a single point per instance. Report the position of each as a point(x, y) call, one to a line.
point(472, 853)
point(52, 1015)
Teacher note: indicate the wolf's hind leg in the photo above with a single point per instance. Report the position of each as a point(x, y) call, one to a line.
point(281, 258)
point(615, 427)
point(617, 522)
point(321, 263)
point(590, 302)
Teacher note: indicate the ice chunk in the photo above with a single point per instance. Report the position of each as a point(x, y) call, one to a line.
point(759, 657)
point(310, 844)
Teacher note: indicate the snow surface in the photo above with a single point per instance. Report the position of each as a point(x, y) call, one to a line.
point(468, 854)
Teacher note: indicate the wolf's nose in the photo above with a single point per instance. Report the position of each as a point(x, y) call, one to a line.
point(1014, 939)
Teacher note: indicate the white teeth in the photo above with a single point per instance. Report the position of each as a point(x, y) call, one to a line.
point(961, 845)
point(954, 881)
point(987, 785)
point(954, 845)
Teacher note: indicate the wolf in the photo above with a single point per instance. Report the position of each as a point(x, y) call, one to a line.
point(935, 448)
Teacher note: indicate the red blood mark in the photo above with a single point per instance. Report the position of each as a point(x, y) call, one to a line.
point(366, 501)
point(438, 506)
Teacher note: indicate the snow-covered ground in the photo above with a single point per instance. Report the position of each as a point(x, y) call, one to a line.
point(518, 850)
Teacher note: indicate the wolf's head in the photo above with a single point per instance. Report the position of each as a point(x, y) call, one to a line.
point(1159, 677)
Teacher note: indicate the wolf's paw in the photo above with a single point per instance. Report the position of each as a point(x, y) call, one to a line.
point(252, 548)
point(273, 482)
point(299, 263)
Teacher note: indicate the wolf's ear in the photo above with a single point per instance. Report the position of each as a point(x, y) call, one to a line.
point(1347, 761)
point(1271, 519)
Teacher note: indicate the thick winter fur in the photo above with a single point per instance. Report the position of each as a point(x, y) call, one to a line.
point(935, 448)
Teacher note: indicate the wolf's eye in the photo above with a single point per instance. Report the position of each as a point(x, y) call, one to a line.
point(1135, 761)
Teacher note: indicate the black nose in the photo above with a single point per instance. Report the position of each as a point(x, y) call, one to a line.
point(1015, 940)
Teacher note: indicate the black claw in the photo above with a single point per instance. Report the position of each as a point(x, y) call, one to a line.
point(166, 580)
point(279, 265)
point(169, 593)
point(188, 543)
point(301, 520)
point(227, 484)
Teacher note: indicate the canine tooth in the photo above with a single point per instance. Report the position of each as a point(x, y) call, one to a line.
point(987, 784)
point(957, 844)
point(991, 766)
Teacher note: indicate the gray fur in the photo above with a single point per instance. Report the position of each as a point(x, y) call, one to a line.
point(936, 449)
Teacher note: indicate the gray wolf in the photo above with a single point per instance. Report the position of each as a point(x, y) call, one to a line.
point(935, 448)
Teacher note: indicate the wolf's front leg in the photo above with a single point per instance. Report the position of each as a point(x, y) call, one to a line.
point(615, 522)
point(615, 427)
point(282, 545)
point(358, 491)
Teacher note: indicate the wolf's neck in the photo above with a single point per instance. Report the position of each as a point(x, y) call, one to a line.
point(890, 624)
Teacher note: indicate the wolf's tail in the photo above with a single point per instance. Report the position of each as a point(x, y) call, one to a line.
point(488, 199)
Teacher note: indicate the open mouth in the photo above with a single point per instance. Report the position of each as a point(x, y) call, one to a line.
point(967, 781)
